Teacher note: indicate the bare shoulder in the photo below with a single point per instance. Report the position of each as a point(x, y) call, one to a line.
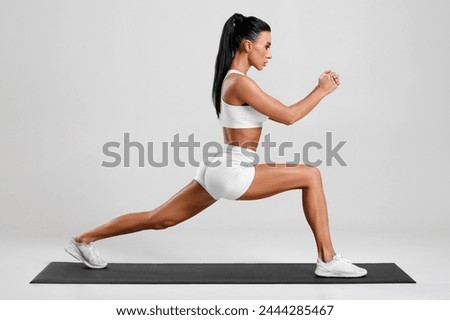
point(245, 80)
point(245, 84)
point(236, 88)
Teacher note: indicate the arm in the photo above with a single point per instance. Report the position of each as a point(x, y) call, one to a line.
point(248, 91)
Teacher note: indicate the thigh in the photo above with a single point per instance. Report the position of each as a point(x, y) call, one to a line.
point(186, 203)
point(279, 177)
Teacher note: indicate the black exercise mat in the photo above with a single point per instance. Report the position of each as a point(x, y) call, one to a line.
point(211, 273)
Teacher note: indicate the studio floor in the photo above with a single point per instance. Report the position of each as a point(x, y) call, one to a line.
point(425, 259)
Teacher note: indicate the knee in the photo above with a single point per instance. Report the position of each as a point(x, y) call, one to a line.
point(162, 225)
point(313, 175)
point(156, 222)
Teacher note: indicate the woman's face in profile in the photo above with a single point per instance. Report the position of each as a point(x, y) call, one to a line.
point(260, 53)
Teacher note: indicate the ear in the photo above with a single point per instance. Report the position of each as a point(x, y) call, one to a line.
point(248, 45)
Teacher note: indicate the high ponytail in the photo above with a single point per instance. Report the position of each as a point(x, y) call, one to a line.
point(236, 29)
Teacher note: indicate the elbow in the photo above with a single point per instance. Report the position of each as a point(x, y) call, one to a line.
point(286, 117)
point(289, 120)
point(283, 120)
point(290, 117)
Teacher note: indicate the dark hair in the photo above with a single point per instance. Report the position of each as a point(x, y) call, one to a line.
point(236, 29)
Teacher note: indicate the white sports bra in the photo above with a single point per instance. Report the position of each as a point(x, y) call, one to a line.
point(232, 116)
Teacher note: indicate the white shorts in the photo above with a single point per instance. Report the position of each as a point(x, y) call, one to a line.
point(228, 173)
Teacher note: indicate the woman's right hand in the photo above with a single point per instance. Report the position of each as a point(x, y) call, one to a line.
point(328, 82)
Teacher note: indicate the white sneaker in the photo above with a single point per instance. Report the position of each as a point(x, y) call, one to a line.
point(85, 253)
point(339, 267)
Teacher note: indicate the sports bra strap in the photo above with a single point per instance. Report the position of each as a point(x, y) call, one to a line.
point(234, 71)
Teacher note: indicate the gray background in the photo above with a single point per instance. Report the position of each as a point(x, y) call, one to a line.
point(77, 74)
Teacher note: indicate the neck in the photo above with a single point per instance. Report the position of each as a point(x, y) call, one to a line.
point(240, 63)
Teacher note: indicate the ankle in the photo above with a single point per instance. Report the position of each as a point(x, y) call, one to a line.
point(82, 240)
point(326, 255)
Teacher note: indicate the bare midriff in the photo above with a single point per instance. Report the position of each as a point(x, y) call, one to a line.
point(242, 137)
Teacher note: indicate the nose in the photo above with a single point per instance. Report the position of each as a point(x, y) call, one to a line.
point(269, 56)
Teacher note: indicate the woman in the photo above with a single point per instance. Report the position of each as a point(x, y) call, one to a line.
point(241, 107)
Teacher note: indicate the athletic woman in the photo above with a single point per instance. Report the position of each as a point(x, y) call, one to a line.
point(241, 107)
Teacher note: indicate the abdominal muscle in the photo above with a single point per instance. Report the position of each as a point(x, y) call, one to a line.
point(246, 138)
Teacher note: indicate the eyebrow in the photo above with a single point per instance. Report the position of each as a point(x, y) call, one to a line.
point(269, 43)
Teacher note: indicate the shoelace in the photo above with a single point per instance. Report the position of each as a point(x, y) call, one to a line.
point(340, 258)
point(94, 254)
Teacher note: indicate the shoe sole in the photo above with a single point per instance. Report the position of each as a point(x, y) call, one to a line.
point(333, 275)
point(77, 256)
